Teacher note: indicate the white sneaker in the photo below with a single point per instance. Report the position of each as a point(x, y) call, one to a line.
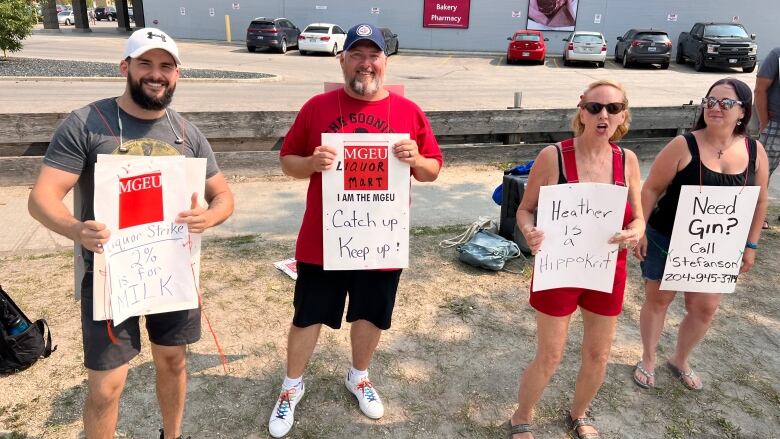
point(283, 415)
point(367, 397)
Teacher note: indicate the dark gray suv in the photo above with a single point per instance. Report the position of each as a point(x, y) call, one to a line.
point(644, 46)
point(275, 33)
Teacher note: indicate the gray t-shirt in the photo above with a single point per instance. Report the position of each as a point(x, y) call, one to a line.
point(94, 130)
point(769, 69)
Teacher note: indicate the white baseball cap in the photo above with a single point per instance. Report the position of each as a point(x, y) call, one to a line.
point(148, 38)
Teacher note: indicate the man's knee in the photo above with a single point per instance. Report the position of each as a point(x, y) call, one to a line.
point(170, 359)
point(105, 387)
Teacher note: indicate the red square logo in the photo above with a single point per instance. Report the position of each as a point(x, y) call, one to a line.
point(140, 200)
point(365, 168)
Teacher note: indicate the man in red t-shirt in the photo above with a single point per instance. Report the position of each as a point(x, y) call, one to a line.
point(363, 105)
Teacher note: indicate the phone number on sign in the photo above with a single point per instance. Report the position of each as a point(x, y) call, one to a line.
point(723, 278)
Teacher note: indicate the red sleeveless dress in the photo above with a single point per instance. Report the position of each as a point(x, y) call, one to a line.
point(559, 302)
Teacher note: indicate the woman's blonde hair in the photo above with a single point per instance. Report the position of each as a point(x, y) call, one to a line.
point(622, 129)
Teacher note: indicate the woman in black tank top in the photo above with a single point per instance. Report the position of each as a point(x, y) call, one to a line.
point(716, 153)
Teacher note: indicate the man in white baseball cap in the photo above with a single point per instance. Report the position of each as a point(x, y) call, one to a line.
point(138, 122)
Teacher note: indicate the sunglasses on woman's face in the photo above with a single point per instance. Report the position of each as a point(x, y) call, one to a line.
point(724, 104)
point(596, 107)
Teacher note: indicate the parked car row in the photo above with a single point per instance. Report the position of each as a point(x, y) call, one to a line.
point(707, 45)
point(281, 34)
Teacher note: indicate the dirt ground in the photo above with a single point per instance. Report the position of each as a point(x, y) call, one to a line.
point(447, 368)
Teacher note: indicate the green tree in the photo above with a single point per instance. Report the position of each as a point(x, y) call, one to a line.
point(16, 23)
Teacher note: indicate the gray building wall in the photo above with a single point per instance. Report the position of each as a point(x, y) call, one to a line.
point(490, 22)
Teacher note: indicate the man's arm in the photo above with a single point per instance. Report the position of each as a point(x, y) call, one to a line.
point(302, 167)
point(220, 199)
point(45, 205)
point(760, 99)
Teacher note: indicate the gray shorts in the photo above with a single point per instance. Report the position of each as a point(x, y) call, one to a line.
point(166, 329)
point(770, 138)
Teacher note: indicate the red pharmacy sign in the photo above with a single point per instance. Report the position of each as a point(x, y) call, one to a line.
point(140, 200)
point(365, 168)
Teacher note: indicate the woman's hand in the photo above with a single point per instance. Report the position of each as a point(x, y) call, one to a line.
point(748, 259)
point(627, 238)
point(640, 251)
point(533, 237)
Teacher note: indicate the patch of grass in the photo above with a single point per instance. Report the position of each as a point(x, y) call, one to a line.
point(729, 430)
point(235, 241)
point(454, 229)
point(13, 435)
point(463, 307)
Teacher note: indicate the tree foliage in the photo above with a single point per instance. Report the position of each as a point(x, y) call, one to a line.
point(17, 19)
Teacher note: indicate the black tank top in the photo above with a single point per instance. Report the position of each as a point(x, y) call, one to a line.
point(662, 218)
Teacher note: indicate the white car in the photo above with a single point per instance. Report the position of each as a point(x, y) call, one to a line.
point(586, 47)
point(66, 18)
point(321, 37)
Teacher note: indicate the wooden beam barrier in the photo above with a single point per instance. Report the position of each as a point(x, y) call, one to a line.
point(239, 138)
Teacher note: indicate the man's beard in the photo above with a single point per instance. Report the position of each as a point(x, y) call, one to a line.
point(149, 102)
point(362, 88)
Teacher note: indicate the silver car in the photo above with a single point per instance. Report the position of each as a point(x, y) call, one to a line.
point(586, 47)
point(66, 18)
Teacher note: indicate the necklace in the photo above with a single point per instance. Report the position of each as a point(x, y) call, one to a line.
point(123, 148)
point(722, 151)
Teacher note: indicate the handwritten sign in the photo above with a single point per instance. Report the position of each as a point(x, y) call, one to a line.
point(146, 267)
point(578, 220)
point(365, 204)
point(710, 230)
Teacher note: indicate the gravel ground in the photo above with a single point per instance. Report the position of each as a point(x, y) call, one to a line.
point(59, 68)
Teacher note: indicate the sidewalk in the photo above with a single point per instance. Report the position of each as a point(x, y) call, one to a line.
point(274, 207)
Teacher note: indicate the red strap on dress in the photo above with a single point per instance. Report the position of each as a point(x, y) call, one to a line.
point(570, 163)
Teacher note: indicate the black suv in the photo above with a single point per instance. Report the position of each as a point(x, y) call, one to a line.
point(276, 33)
point(644, 46)
point(391, 41)
point(105, 14)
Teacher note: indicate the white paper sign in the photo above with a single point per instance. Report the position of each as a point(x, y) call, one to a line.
point(183, 10)
point(374, 10)
point(147, 258)
point(517, 14)
point(597, 18)
point(236, 6)
point(320, 7)
point(365, 203)
point(211, 12)
point(577, 221)
point(671, 17)
point(710, 230)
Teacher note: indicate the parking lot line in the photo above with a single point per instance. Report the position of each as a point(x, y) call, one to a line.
point(446, 60)
point(555, 61)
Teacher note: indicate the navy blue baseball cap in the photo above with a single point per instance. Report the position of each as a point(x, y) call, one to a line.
point(365, 32)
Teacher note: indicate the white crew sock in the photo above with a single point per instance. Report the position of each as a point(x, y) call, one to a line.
point(356, 375)
point(289, 383)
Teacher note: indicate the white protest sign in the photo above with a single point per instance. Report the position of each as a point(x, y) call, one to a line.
point(710, 230)
point(196, 183)
point(577, 221)
point(147, 256)
point(365, 203)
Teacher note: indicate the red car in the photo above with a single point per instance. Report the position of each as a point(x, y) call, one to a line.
point(526, 45)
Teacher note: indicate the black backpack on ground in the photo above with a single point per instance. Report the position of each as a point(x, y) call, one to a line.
point(22, 350)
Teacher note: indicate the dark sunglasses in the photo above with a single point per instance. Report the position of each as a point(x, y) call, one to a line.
point(595, 107)
point(724, 104)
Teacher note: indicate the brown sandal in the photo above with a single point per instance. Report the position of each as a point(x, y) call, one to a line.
point(517, 429)
point(574, 424)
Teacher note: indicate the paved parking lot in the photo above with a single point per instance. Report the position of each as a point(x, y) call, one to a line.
point(437, 81)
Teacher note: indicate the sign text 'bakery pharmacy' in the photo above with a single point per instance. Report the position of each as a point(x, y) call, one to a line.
point(449, 13)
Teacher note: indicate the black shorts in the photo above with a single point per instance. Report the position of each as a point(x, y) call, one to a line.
point(166, 329)
point(320, 296)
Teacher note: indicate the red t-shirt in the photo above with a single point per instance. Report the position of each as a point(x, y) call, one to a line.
point(337, 112)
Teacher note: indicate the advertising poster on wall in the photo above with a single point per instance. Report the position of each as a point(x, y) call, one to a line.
point(365, 203)
point(446, 13)
point(560, 15)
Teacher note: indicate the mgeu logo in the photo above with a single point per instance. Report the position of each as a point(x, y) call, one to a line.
point(364, 30)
